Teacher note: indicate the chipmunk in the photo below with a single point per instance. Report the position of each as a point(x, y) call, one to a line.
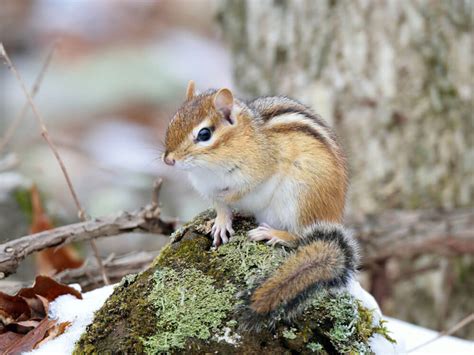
point(275, 159)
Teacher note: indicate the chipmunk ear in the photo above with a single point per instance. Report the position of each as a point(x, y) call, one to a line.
point(190, 91)
point(223, 102)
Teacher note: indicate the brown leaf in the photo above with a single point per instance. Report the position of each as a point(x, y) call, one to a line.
point(24, 322)
point(23, 327)
point(40, 220)
point(48, 288)
point(37, 307)
point(54, 332)
point(52, 260)
point(13, 308)
point(29, 340)
point(7, 339)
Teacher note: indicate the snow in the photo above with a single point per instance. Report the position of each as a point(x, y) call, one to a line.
point(79, 312)
point(414, 335)
point(408, 336)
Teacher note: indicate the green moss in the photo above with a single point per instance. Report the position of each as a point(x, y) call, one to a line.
point(188, 305)
point(123, 321)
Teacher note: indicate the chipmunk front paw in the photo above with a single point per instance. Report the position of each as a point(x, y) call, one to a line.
point(222, 230)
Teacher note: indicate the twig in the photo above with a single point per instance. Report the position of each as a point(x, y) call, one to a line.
point(117, 267)
point(146, 219)
point(45, 134)
point(34, 90)
point(462, 323)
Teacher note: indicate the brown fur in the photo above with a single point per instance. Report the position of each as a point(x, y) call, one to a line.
point(318, 167)
point(318, 261)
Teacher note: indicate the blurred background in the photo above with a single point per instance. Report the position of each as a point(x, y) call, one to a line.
point(395, 79)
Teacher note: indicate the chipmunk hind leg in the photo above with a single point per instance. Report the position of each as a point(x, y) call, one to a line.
point(272, 236)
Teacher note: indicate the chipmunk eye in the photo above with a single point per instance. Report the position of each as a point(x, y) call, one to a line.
point(204, 135)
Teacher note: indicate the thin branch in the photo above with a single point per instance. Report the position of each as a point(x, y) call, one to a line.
point(45, 134)
point(146, 219)
point(462, 323)
point(34, 90)
point(117, 267)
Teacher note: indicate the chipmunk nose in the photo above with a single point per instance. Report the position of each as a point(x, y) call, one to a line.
point(168, 161)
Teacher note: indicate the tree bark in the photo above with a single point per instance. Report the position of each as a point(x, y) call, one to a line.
point(393, 77)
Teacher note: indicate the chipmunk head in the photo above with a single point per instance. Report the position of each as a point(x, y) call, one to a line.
point(206, 131)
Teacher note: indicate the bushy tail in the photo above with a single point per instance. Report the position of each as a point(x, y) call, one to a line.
point(325, 258)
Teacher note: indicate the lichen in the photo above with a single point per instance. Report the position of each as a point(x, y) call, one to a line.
point(188, 305)
point(345, 322)
point(247, 262)
point(190, 298)
point(315, 347)
point(289, 334)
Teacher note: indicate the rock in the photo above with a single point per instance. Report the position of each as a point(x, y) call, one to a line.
point(191, 300)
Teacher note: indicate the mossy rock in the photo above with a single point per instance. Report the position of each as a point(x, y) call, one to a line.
point(190, 300)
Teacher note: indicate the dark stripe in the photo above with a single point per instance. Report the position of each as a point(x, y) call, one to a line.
point(303, 110)
point(268, 115)
point(338, 236)
point(300, 127)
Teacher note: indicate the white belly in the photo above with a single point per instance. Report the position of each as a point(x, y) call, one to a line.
point(273, 202)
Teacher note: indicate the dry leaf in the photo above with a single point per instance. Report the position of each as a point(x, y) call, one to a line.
point(13, 308)
point(54, 332)
point(29, 340)
point(23, 317)
point(48, 288)
point(8, 338)
point(37, 306)
point(23, 327)
point(52, 260)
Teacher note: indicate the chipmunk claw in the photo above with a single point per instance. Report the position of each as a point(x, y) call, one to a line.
point(221, 232)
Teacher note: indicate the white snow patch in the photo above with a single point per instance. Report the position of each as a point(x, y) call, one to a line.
point(414, 335)
point(79, 312)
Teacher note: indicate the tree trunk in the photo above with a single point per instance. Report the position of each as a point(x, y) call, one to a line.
point(393, 77)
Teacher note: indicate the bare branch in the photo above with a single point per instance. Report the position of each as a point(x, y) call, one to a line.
point(88, 276)
point(34, 90)
point(45, 134)
point(146, 220)
point(409, 233)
